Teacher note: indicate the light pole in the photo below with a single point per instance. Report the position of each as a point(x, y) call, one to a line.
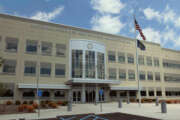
point(37, 82)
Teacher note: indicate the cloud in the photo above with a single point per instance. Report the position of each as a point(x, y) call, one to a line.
point(165, 37)
point(107, 6)
point(107, 24)
point(48, 16)
point(151, 14)
point(167, 15)
point(107, 17)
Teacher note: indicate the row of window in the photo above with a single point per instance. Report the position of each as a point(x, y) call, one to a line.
point(30, 68)
point(32, 47)
point(131, 75)
point(171, 64)
point(130, 59)
point(169, 77)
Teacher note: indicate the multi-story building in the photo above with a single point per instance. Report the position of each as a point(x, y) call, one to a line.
point(66, 59)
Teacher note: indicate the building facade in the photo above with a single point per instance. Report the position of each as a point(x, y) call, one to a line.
point(76, 63)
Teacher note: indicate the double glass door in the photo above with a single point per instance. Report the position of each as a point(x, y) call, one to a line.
point(77, 96)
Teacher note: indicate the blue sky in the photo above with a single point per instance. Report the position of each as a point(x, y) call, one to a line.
point(159, 19)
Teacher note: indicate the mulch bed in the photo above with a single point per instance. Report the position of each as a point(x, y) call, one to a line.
point(108, 116)
point(10, 109)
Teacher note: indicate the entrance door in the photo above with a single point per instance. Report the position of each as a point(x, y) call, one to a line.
point(77, 96)
point(90, 96)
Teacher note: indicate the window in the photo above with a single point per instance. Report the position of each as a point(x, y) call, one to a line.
point(112, 73)
point(60, 70)
point(60, 50)
point(111, 56)
point(142, 75)
point(169, 77)
point(60, 93)
point(122, 74)
point(77, 63)
point(158, 93)
point(149, 61)
point(131, 75)
point(31, 46)
point(121, 57)
point(90, 64)
point(28, 94)
point(150, 76)
point(45, 69)
point(132, 93)
point(172, 91)
point(123, 94)
point(7, 89)
point(151, 93)
point(156, 62)
point(46, 48)
point(171, 64)
point(157, 76)
point(100, 65)
point(113, 93)
point(45, 94)
point(130, 58)
point(11, 44)
point(141, 60)
point(9, 66)
point(30, 68)
point(143, 93)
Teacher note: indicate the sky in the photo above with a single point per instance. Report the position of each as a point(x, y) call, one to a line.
point(158, 19)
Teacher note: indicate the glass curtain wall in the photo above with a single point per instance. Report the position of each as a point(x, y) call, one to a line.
point(90, 64)
point(77, 57)
point(100, 65)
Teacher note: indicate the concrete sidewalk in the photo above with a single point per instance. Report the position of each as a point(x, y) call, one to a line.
point(146, 109)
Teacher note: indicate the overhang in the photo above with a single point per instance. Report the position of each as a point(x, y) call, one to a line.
point(124, 88)
point(43, 86)
point(97, 81)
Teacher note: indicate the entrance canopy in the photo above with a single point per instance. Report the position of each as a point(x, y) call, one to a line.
point(96, 81)
point(43, 86)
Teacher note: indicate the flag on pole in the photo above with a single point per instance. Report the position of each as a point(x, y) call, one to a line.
point(139, 29)
point(140, 45)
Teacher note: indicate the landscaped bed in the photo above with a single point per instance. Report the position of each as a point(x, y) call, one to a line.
point(108, 116)
point(28, 106)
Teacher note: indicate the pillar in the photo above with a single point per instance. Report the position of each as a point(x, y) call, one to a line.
point(97, 93)
point(83, 92)
point(128, 97)
point(70, 95)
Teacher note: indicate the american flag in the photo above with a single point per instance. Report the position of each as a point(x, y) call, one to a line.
point(139, 29)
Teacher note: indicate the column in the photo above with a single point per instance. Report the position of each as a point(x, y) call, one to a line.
point(70, 94)
point(118, 94)
point(97, 93)
point(128, 96)
point(83, 93)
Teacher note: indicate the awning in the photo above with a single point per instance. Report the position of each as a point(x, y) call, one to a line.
point(43, 86)
point(99, 81)
point(124, 88)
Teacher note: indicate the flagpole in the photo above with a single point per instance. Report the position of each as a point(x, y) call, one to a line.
point(137, 66)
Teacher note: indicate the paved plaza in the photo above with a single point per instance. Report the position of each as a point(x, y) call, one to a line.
point(146, 109)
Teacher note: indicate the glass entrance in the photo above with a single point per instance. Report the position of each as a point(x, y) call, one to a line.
point(90, 96)
point(77, 96)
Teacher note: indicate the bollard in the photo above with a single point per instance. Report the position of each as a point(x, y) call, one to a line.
point(69, 107)
point(157, 101)
point(120, 103)
point(163, 107)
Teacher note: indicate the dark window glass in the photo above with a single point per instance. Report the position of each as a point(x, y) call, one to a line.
point(31, 46)
point(131, 59)
point(150, 76)
point(142, 76)
point(151, 93)
point(143, 93)
point(159, 93)
point(11, 44)
point(113, 93)
point(60, 70)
